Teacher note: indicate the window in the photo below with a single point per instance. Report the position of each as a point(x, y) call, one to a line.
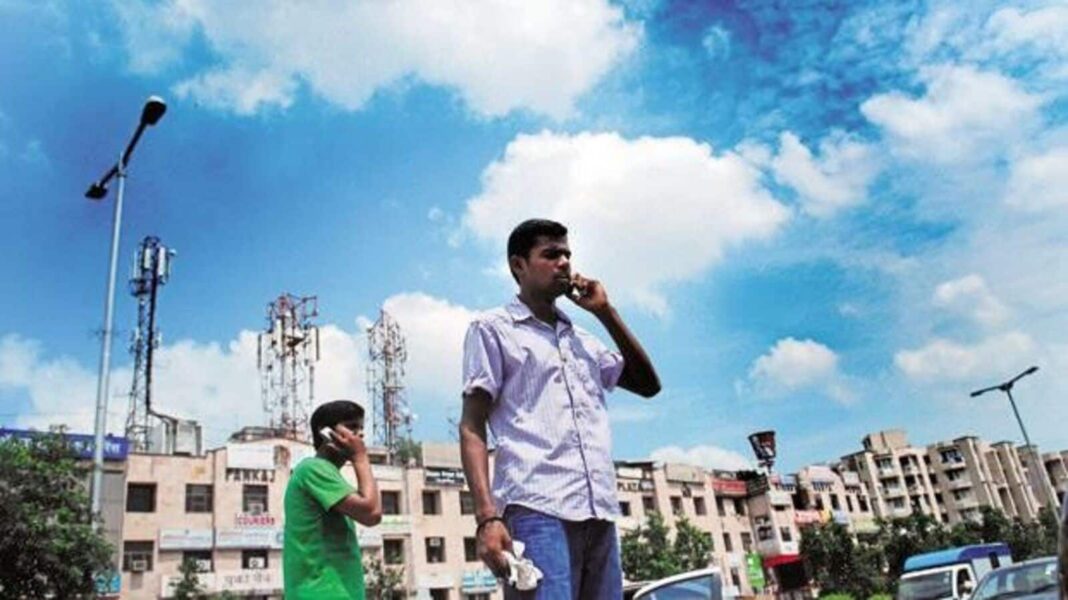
point(200, 558)
point(786, 534)
point(137, 556)
point(476, 597)
point(699, 507)
point(390, 503)
point(198, 498)
point(676, 505)
point(648, 504)
point(624, 509)
point(736, 580)
point(393, 552)
point(728, 546)
point(467, 503)
point(254, 499)
point(435, 550)
point(739, 506)
point(431, 503)
point(439, 594)
point(747, 541)
point(836, 504)
point(470, 549)
point(254, 559)
point(863, 502)
point(141, 497)
point(849, 503)
point(720, 510)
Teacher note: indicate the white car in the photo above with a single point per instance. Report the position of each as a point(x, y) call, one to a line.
point(1031, 580)
point(703, 584)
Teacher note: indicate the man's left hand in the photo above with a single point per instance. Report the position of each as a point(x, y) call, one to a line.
point(591, 294)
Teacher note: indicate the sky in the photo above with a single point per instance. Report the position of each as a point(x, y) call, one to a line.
point(822, 218)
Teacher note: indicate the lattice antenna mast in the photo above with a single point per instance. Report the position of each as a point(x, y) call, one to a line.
point(385, 384)
point(150, 271)
point(287, 353)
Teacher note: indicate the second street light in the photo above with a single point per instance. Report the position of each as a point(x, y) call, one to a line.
point(1007, 388)
point(150, 115)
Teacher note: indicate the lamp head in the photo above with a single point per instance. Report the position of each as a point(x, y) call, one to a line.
point(96, 191)
point(1030, 370)
point(153, 110)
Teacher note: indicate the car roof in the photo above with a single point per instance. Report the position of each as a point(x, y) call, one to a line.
point(954, 555)
point(680, 577)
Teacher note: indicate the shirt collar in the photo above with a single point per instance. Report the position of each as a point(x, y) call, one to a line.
point(521, 312)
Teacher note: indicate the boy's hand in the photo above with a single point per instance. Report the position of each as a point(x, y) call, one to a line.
point(350, 442)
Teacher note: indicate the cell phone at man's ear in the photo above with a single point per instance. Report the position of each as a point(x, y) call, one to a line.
point(327, 433)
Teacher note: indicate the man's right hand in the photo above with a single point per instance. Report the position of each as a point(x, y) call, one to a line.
point(493, 541)
point(351, 442)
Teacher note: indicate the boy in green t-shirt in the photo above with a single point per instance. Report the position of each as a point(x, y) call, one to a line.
point(321, 557)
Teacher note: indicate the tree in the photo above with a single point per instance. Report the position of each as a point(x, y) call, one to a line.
point(188, 587)
point(840, 564)
point(693, 547)
point(48, 545)
point(648, 553)
point(382, 582)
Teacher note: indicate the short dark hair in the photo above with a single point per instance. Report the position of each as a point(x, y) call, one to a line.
point(332, 413)
point(525, 236)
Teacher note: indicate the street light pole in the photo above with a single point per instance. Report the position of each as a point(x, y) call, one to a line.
point(150, 115)
point(1007, 388)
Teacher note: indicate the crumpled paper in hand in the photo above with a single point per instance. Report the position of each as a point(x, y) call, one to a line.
point(521, 571)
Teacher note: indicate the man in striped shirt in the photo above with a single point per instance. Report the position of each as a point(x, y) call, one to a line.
point(539, 382)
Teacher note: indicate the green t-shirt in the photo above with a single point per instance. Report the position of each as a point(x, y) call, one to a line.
point(321, 557)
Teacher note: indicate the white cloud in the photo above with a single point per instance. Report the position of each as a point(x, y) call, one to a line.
point(1044, 29)
point(216, 384)
point(965, 116)
point(630, 413)
point(969, 295)
point(943, 359)
point(792, 365)
point(1039, 182)
point(500, 55)
point(434, 332)
point(717, 42)
point(643, 213)
point(705, 456)
point(835, 179)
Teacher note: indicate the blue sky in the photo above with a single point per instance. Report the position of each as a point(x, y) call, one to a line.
point(824, 220)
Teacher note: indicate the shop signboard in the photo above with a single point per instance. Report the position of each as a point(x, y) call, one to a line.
point(260, 537)
point(185, 539)
point(444, 476)
point(250, 456)
point(480, 581)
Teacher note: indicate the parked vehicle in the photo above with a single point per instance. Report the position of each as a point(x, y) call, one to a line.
point(703, 584)
point(950, 574)
point(1030, 580)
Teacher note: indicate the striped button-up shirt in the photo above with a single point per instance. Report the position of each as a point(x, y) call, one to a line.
point(548, 384)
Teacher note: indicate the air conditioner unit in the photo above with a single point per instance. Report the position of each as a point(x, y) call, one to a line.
point(139, 566)
point(256, 508)
point(257, 562)
point(203, 565)
point(433, 542)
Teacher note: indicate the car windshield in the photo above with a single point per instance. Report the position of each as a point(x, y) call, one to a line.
point(1019, 580)
point(928, 586)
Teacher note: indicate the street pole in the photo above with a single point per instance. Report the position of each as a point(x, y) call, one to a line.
point(105, 349)
point(1027, 440)
point(151, 113)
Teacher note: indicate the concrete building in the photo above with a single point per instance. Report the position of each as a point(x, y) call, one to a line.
point(951, 480)
point(1056, 464)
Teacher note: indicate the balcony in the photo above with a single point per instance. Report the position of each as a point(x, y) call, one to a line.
point(885, 472)
point(960, 484)
point(894, 492)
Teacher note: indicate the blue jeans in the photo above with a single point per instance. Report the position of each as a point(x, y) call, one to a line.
point(580, 559)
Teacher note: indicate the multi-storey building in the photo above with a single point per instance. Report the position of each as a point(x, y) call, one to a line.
point(1056, 464)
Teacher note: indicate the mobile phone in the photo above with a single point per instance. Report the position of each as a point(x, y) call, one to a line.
point(327, 433)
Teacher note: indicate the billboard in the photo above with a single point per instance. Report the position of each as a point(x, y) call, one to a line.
point(115, 448)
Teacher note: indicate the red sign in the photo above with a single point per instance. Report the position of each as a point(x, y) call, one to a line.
point(250, 520)
point(729, 487)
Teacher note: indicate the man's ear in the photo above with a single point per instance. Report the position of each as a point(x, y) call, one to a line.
point(516, 264)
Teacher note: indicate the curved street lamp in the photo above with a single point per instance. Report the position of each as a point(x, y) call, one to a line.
point(151, 113)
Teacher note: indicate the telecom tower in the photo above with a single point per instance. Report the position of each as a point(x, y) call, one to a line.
point(288, 351)
point(385, 384)
point(151, 269)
